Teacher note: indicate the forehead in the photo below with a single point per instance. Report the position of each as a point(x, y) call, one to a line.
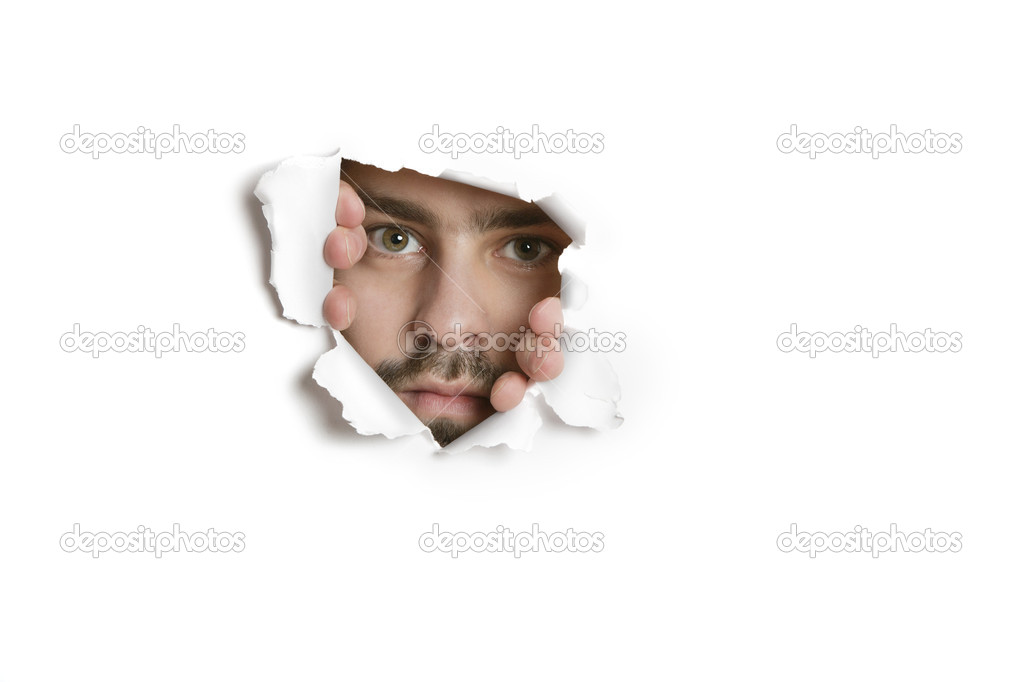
point(409, 184)
point(444, 204)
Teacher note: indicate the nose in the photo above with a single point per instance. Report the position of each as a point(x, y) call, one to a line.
point(451, 300)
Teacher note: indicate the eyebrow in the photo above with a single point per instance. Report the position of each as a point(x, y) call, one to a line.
point(483, 220)
point(398, 209)
point(507, 217)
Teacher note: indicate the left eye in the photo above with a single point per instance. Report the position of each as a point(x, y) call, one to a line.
point(525, 249)
point(393, 240)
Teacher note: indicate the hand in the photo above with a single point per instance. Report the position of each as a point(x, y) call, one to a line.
point(536, 355)
point(344, 247)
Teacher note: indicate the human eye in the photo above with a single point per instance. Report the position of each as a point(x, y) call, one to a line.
point(528, 250)
point(393, 240)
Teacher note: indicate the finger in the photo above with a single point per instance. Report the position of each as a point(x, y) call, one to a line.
point(508, 391)
point(546, 316)
point(345, 247)
point(339, 307)
point(540, 356)
point(544, 363)
point(347, 243)
point(350, 211)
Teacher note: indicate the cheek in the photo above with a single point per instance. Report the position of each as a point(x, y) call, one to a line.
point(382, 308)
point(511, 298)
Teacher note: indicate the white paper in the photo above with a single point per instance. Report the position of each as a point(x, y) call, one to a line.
point(299, 199)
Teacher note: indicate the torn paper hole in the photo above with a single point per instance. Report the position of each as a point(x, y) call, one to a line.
point(428, 237)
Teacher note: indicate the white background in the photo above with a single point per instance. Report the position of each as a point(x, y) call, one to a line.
point(704, 244)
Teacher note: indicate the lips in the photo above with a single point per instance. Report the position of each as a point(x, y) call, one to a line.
point(461, 402)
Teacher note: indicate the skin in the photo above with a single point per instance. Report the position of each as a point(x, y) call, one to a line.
point(424, 260)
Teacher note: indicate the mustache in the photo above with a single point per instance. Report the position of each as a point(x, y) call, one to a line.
point(477, 369)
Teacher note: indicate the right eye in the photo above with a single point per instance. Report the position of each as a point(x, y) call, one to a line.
point(393, 240)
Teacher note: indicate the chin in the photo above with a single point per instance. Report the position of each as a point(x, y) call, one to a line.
point(446, 431)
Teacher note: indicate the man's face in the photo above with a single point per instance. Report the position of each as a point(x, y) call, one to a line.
point(445, 261)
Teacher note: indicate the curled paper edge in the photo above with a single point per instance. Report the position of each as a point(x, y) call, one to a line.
point(299, 197)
